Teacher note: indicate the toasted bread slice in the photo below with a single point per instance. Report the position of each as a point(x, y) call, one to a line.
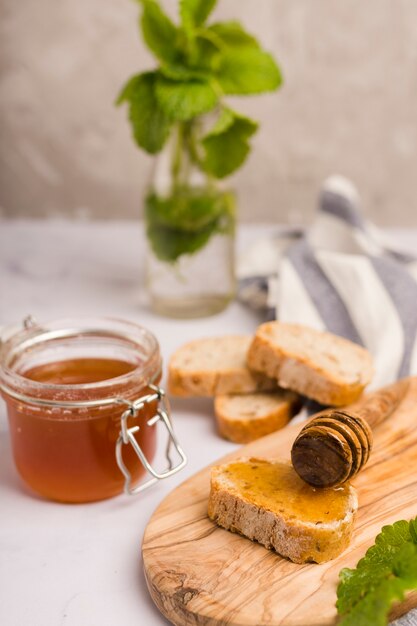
point(217, 365)
point(319, 365)
point(266, 501)
point(246, 417)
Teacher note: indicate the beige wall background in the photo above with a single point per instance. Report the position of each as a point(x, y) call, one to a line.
point(349, 106)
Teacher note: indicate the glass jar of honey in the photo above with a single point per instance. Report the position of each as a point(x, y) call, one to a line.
point(83, 403)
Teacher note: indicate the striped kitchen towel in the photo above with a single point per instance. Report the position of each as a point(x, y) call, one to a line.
point(343, 275)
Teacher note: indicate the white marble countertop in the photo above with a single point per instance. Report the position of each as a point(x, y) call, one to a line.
point(63, 565)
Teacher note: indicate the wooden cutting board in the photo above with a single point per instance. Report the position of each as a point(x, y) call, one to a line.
point(199, 574)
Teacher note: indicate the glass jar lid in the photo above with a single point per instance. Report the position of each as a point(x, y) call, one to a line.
point(74, 338)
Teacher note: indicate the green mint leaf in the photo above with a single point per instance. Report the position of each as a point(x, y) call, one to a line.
point(150, 125)
point(384, 574)
point(405, 563)
point(195, 12)
point(247, 71)
point(376, 563)
point(183, 222)
point(374, 608)
point(169, 244)
point(159, 33)
point(183, 100)
point(187, 208)
point(226, 146)
point(233, 35)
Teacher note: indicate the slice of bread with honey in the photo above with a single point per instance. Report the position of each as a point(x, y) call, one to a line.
point(319, 365)
point(244, 418)
point(216, 365)
point(267, 502)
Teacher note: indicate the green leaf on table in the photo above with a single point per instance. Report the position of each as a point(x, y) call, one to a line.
point(374, 608)
point(195, 12)
point(150, 124)
point(159, 32)
point(233, 35)
point(183, 100)
point(377, 562)
point(247, 71)
point(226, 146)
point(389, 569)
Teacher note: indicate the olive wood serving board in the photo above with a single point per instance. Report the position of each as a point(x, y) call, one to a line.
point(199, 574)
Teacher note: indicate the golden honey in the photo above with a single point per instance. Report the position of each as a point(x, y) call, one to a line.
point(277, 487)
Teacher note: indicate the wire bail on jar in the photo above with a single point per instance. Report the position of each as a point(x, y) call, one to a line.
point(127, 436)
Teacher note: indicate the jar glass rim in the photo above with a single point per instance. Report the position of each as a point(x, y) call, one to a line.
point(36, 334)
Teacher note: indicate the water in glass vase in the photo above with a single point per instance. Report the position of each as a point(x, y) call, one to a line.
point(190, 225)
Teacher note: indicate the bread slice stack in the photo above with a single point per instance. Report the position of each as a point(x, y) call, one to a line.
point(248, 376)
point(247, 404)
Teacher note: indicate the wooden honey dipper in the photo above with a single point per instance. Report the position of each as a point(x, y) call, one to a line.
point(336, 443)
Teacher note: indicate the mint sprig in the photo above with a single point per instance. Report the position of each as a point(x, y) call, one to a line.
point(386, 572)
point(199, 64)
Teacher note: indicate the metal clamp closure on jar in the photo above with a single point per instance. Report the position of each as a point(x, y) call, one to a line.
point(127, 436)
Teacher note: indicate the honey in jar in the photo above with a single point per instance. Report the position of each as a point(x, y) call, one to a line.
point(66, 386)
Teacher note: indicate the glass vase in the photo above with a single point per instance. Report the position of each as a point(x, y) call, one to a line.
point(190, 228)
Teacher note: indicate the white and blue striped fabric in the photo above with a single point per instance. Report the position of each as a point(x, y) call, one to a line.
point(341, 275)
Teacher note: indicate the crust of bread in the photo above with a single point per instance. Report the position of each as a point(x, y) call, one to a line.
point(323, 374)
point(244, 418)
point(212, 366)
point(301, 542)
